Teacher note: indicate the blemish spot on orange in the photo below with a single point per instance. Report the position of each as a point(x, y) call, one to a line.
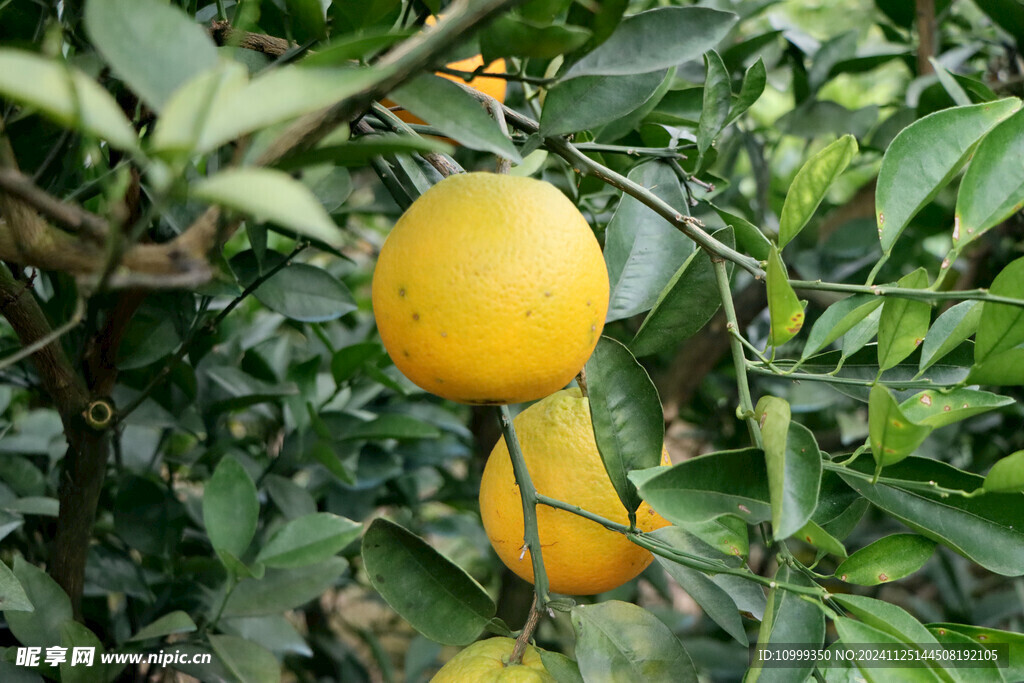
point(401, 291)
point(415, 316)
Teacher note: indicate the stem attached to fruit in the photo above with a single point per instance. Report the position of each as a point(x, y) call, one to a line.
point(524, 638)
point(531, 536)
point(739, 359)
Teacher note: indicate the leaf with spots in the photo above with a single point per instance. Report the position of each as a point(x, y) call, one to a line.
point(888, 559)
point(817, 537)
point(893, 436)
point(904, 322)
point(1014, 670)
point(935, 408)
point(784, 309)
point(431, 592)
point(811, 184)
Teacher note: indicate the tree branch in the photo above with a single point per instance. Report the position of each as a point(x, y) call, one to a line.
point(926, 34)
point(17, 184)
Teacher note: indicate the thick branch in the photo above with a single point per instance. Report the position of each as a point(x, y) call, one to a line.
point(926, 34)
point(225, 34)
point(76, 218)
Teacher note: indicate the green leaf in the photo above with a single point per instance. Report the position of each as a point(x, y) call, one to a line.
point(904, 322)
point(685, 305)
point(347, 361)
point(949, 83)
point(390, 427)
point(949, 330)
point(925, 156)
point(754, 80)
point(270, 195)
point(993, 187)
point(222, 104)
point(712, 598)
point(432, 593)
point(817, 537)
point(12, 595)
point(231, 507)
point(717, 98)
point(249, 662)
point(563, 669)
point(811, 184)
point(655, 39)
point(456, 113)
point(619, 641)
point(592, 101)
point(797, 478)
point(983, 671)
point(1007, 475)
point(298, 291)
point(169, 624)
point(641, 248)
point(74, 635)
point(837, 320)
point(1001, 326)
point(893, 435)
point(987, 529)
point(708, 486)
point(935, 408)
point(243, 390)
point(748, 236)
point(153, 46)
point(66, 95)
point(1001, 369)
point(788, 619)
point(361, 45)
point(308, 21)
point(626, 411)
point(852, 632)
point(1014, 670)
point(727, 534)
point(283, 589)
point(887, 617)
point(512, 36)
point(784, 309)
point(890, 558)
point(308, 540)
point(51, 607)
point(860, 334)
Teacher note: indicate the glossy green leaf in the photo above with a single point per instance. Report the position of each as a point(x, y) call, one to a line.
point(717, 99)
point(987, 529)
point(950, 330)
point(855, 632)
point(513, 36)
point(231, 507)
point(75, 635)
point(270, 195)
point(838, 319)
point(1001, 327)
point(890, 558)
point(641, 248)
point(925, 156)
point(654, 40)
point(592, 101)
point(904, 322)
point(1007, 475)
point(169, 624)
point(237, 389)
point(298, 290)
point(686, 304)
point(619, 641)
point(797, 479)
point(708, 486)
point(563, 669)
point(887, 617)
point(788, 619)
point(814, 535)
point(388, 426)
point(308, 540)
point(1003, 369)
point(893, 435)
point(51, 607)
point(985, 671)
point(283, 589)
point(456, 113)
point(754, 80)
point(347, 361)
point(860, 334)
point(748, 236)
point(811, 184)
point(726, 534)
point(712, 598)
point(627, 416)
point(248, 661)
point(12, 595)
point(1014, 670)
point(993, 187)
point(222, 104)
point(436, 596)
point(64, 94)
point(153, 46)
point(785, 310)
point(937, 409)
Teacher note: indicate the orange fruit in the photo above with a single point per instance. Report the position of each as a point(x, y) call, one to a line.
point(490, 289)
point(486, 661)
point(581, 557)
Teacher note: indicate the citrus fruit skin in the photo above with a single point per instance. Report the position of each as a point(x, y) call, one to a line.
point(490, 289)
point(486, 661)
point(488, 85)
point(581, 557)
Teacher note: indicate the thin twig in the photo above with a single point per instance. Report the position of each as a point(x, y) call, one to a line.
point(905, 293)
point(46, 340)
point(72, 216)
point(532, 619)
point(480, 73)
point(739, 360)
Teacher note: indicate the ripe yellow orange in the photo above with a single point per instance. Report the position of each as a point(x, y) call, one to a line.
point(581, 557)
point(490, 289)
point(486, 661)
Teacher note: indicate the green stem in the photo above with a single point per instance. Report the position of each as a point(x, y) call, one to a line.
point(658, 152)
point(878, 266)
point(739, 360)
point(852, 381)
point(928, 486)
point(531, 537)
point(904, 293)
